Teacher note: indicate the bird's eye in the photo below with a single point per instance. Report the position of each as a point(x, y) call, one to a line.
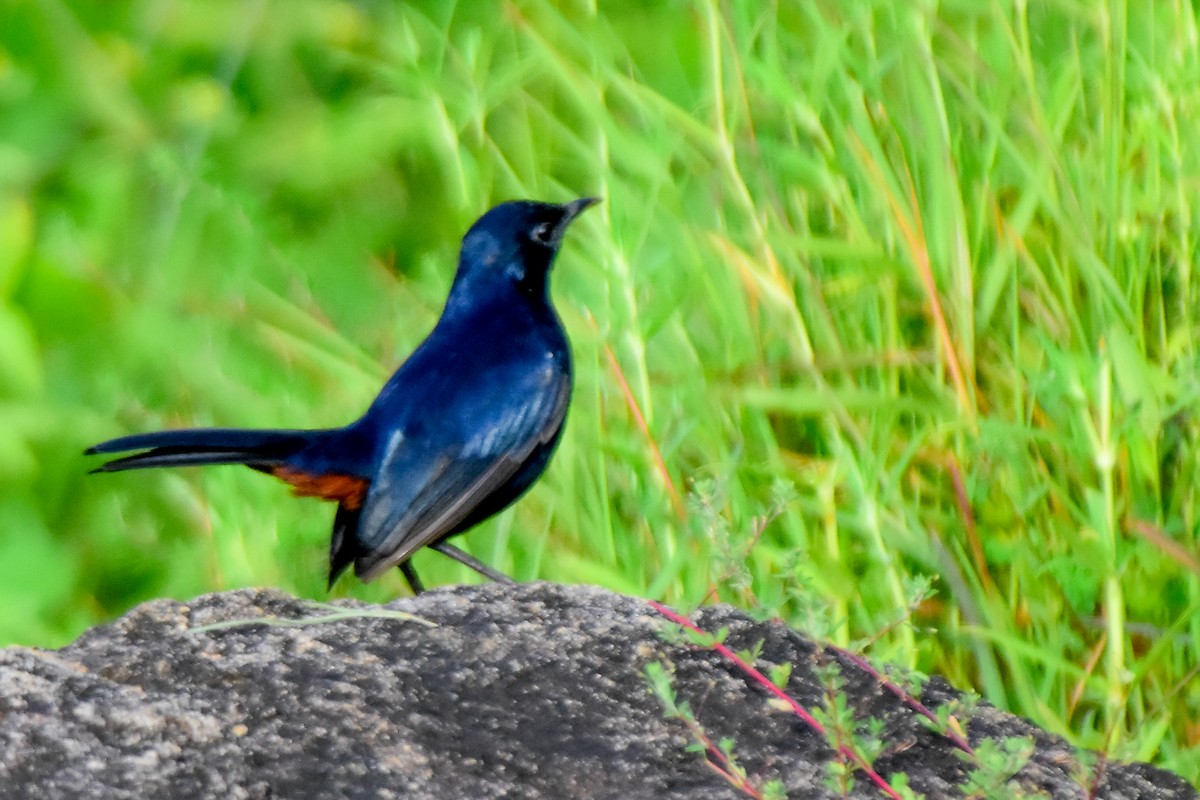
point(543, 233)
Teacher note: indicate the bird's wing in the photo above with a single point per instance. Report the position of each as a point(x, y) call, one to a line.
point(421, 494)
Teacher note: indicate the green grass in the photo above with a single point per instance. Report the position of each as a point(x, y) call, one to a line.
point(928, 265)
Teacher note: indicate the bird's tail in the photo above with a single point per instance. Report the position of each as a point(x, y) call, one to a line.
point(260, 449)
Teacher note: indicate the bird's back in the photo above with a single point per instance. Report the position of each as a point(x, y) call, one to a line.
point(471, 435)
point(473, 370)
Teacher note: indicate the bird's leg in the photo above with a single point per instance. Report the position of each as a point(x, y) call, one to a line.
point(410, 575)
point(469, 560)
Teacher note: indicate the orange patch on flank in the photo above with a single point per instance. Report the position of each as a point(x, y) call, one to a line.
point(346, 489)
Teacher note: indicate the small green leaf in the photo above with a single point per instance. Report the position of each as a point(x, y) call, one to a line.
point(780, 673)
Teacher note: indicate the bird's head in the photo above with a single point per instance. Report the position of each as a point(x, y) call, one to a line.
point(514, 244)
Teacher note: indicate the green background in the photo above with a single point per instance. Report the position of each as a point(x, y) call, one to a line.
point(887, 324)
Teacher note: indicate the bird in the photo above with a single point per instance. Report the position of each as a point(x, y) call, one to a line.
point(461, 430)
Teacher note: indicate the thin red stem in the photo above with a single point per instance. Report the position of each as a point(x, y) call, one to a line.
point(905, 697)
point(799, 710)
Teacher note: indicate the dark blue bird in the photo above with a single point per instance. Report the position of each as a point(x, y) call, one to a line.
point(462, 429)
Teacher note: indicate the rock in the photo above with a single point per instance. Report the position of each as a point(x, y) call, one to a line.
point(528, 691)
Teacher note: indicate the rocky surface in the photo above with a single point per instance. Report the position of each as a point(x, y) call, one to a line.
point(530, 691)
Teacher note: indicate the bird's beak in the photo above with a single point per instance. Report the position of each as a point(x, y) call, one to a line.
point(575, 208)
point(569, 212)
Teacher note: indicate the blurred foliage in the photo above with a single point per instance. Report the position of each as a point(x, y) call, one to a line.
point(880, 293)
